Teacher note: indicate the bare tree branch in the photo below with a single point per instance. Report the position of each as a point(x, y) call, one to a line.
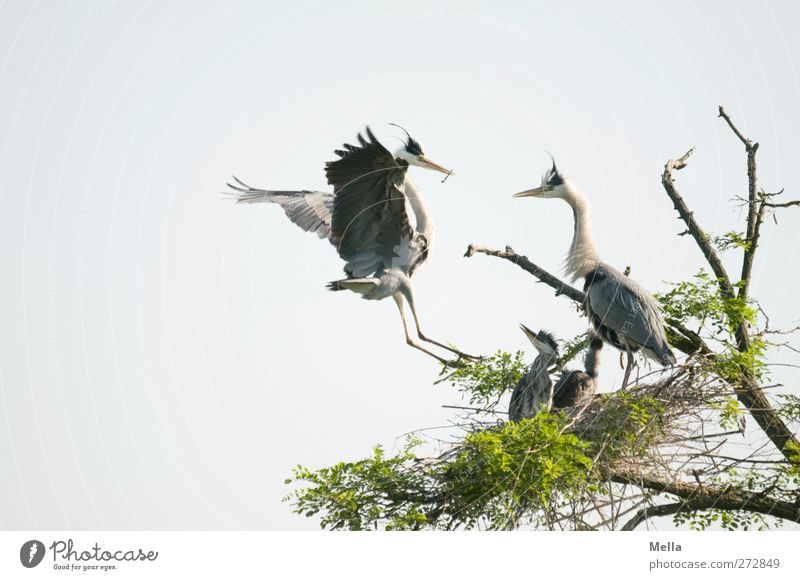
point(747, 142)
point(523, 262)
point(702, 497)
point(755, 207)
point(786, 204)
point(685, 340)
point(694, 228)
point(745, 386)
point(653, 511)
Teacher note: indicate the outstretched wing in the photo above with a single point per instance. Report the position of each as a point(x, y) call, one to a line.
point(311, 210)
point(620, 304)
point(370, 226)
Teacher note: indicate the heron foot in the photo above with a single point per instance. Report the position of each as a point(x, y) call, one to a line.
point(455, 364)
point(455, 351)
point(469, 357)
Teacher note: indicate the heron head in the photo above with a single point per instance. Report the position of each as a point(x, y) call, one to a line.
point(553, 185)
point(544, 342)
point(411, 152)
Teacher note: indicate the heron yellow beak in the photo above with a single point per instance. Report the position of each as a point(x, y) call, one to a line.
point(535, 192)
point(529, 333)
point(425, 162)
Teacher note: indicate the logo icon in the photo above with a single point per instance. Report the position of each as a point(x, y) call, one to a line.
point(31, 553)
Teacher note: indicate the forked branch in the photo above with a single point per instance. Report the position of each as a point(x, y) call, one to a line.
point(745, 385)
point(702, 239)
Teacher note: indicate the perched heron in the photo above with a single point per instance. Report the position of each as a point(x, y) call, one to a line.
point(575, 386)
point(623, 313)
point(535, 389)
point(366, 220)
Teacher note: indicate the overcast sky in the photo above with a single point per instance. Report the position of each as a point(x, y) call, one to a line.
point(166, 357)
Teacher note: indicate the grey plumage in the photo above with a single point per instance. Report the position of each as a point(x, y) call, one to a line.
point(576, 385)
point(370, 224)
point(311, 210)
point(534, 390)
point(365, 218)
point(622, 312)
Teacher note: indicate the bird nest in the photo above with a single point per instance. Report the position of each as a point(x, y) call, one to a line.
point(673, 423)
point(669, 410)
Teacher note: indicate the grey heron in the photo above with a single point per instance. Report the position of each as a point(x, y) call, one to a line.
point(623, 313)
point(366, 220)
point(575, 386)
point(535, 389)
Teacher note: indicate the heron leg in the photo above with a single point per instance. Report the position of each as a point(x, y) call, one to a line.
point(410, 298)
point(628, 367)
point(398, 299)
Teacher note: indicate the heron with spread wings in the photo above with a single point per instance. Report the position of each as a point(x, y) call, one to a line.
point(366, 220)
point(622, 313)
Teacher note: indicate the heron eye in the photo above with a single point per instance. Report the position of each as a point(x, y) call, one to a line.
point(555, 179)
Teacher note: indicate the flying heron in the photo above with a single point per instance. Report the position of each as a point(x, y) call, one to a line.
point(366, 220)
point(623, 313)
point(535, 389)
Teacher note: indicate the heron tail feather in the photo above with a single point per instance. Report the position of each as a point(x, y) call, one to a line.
point(358, 285)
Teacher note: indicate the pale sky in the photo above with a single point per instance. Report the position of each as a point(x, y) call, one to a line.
point(166, 357)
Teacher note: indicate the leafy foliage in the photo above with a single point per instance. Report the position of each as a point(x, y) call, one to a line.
point(790, 407)
point(572, 348)
point(357, 495)
point(555, 466)
point(727, 520)
point(730, 240)
point(486, 379)
point(699, 301)
point(496, 478)
point(492, 478)
point(730, 414)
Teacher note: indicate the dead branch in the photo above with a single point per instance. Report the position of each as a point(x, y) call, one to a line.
point(703, 497)
point(786, 204)
point(745, 386)
point(523, 262)
point(685, 340)
point(755, 206)
point(702, 239)
point(747, 142)
point(653, 511)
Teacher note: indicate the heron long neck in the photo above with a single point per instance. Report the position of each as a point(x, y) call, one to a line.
point(582, 257)
point(538, 371)
point(424, 222)
point(592, 361)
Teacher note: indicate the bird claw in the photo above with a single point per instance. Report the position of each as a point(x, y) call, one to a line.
point(456, 364)
point(463, 360)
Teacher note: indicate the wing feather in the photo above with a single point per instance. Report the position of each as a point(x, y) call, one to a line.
point(619, 303)
point(311, 210)
point(370, 224)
